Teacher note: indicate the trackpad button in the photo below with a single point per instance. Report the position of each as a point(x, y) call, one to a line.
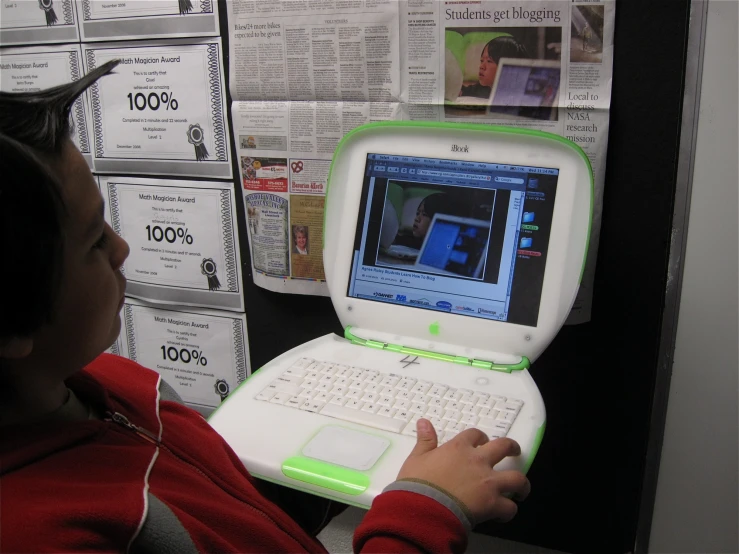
point(346, 447)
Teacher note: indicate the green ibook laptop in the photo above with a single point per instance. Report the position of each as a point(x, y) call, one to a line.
point(453, 254)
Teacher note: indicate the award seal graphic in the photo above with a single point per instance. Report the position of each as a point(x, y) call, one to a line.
point(195, 137)
point(48, 7)
point(185, 6)
point(208, 268)
point(222, 389)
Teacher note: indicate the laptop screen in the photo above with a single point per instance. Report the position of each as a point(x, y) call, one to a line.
point(467, 238)
point(526, 91)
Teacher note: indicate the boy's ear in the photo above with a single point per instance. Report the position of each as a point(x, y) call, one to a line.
point(14, 348)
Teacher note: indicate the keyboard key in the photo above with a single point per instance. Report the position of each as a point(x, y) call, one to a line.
point(434, 411)
point(486, 422)
point(370, 397)
point(386, 401)
point(452, 394)
point(406, 383)
point(357, 416)
point(418, 407)
point(388, 391)
point(421, 387)
point(405, 415)
point(371, 407)
point(508, 417)
point(303, 363)
point(312, 406)
point(354, 394)
point(457, 427)
point(390, 381)
point(438, 391)
point(295, 372)
point(322, 397)
point(420, 398)
point(386, 412)
point(469, 419)
point(437, 403)
point(339, 390)
point(338, 400)
point(402, 404)
point(404, 395)
point(410, 429)
point(280, 398)
point(466, 397)
point(470, 409)
point(266, 394)
point(354, 405)
point(452, 415)
point(357, 385)
point(281, 386)
point(480, 397)
point(294, 401)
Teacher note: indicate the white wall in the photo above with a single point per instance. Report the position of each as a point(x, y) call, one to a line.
point(696, 506)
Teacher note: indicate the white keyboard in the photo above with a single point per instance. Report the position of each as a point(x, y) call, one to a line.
point(389, 401)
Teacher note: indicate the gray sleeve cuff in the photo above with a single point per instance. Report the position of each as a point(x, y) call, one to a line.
point(168, 393)
point(430, 490)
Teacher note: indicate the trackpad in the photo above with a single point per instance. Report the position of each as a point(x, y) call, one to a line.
point(346, 447)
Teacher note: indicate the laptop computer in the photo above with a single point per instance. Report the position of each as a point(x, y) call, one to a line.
point(525, 89)
point(336, 416)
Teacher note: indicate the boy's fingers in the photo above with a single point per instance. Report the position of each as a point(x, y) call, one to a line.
point(426, 439)
point(505, 510)
point(473, 437)
point(501, 448)
point(515, 484)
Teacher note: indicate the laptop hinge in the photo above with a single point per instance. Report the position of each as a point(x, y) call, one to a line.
point(463, 360)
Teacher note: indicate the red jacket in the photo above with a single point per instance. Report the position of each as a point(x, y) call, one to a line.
point(103, 486)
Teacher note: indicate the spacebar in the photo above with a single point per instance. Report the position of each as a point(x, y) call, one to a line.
point(364, 418)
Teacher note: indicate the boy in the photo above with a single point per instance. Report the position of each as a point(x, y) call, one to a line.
point(98, 453)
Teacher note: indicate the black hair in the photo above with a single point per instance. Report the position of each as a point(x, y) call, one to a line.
point(440, 202)
point(34, 127)
point(505, 47)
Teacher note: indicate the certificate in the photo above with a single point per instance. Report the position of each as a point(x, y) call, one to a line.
point(134, 19)
point(202, 354)
point(38, 68)
point(183, 240)
point(161, 112)
point(34, 21)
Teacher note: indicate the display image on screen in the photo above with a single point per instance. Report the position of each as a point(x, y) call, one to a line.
point(467, 238)
point(527, 92)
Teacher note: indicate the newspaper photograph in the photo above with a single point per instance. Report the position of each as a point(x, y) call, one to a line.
point(301, 82)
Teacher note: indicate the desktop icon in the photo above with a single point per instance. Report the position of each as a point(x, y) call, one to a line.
point(526, 242)
point(528, 217)
point(533, 183)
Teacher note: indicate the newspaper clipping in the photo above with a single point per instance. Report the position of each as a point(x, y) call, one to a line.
point(301, 82)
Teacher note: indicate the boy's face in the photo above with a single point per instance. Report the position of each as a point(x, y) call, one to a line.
point(86, 317)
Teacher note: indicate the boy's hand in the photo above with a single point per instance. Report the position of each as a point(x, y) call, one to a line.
point(464, 468)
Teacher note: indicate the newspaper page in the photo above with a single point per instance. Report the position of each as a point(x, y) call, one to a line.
point(301, 82)
point(539, 65)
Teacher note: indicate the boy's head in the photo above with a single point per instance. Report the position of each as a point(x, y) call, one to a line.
point(61, 288)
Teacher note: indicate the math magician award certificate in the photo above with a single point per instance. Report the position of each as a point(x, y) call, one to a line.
point(183, 240)
point(37, 68)
point(203, 354)
point(162, 110)
point(37, 21)
point(134, 19)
